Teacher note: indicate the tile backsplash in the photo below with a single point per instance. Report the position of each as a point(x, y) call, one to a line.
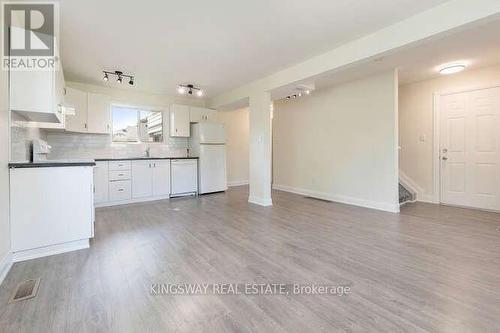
point(67, 145)
point(21, 138)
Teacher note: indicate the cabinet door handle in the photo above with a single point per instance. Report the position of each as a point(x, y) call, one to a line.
point(85, 125)
point(120, 190)
point(121, 174)
point(154, 165)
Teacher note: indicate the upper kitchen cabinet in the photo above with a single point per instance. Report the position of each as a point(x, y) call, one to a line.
point(179, 121)
point(92, 112)
point(202, 115)
point(37, 95)
point(76, 99)
point(99, 114)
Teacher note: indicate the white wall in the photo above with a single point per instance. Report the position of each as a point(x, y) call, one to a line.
point(340, 143)
point(237, 129)
point(416, 121)
point(4, 177)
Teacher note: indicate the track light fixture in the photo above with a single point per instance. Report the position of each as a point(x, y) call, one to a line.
point(189, 89)
point(300, 92)
point(120, 75)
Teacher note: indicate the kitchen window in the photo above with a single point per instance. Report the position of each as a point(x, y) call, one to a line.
point(133, 124)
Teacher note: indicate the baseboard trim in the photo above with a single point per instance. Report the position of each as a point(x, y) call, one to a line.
point(130, 201)
point(426, 199)
point(260, 201)
point(5, 266)
point(50, 250)
point(237, 183)
point(392, 208)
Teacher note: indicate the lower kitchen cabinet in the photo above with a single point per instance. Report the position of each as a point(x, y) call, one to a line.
point(142, 179)
point(120, 190)
point(51, 210)
point(161, 178)
point(101, 182)
point(150, 178)
point(122, 182)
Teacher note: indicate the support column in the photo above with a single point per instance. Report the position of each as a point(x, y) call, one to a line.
point(260, 149)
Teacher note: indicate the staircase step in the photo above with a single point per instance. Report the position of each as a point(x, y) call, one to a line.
point(404, 195)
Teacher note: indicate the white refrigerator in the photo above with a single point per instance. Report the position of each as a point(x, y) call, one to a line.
point(208, 142)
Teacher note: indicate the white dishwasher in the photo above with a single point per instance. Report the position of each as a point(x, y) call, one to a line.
point(184, 177)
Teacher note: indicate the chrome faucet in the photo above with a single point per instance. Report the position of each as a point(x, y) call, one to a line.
point(147, 151)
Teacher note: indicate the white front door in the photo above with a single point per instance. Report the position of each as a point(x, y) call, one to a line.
point(470, 149)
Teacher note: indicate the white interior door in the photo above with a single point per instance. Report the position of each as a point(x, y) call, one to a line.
point(469, 149)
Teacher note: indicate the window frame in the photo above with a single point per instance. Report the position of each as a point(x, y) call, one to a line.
point(138, 108)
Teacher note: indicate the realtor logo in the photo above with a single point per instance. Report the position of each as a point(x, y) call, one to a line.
point(29, 35)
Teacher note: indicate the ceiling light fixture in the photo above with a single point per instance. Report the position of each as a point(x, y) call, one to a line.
point(301, 91)
point(120, 75)
point(190, 89)
point(451, 69)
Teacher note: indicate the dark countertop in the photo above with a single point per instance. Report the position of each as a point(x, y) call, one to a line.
point(144, 158)
point(50, 164)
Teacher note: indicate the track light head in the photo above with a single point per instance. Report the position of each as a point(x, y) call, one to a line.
point(106, 77)
point(131, 81)
point(120, 79)
point(189, 89)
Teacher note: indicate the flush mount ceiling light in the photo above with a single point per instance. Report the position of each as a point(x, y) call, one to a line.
point(451, 69)
point(189, 89)
point(120, 75)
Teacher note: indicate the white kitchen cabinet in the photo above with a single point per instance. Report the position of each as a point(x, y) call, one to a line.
point(150, 178)
point(101, 182)
point(161, 177)
point(120, 190)
point(37, 95)
point(98, 114)
point(92, 112)
point(202, 115)
point(135, 181)
point(184, 177)
point(51, 210)
point(78, 100)
point(179, 121)
point(119, 165)
point(142, 179)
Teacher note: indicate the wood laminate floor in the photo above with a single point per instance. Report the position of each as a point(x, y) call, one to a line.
point(429, 269)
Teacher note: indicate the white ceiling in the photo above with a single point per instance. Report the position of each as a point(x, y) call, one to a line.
point(478, 47)
point(219, 44)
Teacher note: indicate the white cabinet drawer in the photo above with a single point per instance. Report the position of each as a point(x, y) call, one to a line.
point(119, 165)
point(119, 175)
point(120, 190)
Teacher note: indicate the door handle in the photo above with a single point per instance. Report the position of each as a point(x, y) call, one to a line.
point(445, 158)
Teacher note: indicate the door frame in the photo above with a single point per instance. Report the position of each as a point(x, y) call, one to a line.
point(436, 159)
